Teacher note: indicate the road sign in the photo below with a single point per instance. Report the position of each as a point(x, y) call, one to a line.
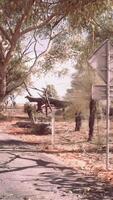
point(99, 92)
point(98, 61)
point(102, 61)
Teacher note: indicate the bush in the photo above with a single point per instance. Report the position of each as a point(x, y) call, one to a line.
point(41, 129)
point(3, 117)
point(27, 107)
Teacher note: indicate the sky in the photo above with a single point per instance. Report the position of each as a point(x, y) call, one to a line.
point(61, 84)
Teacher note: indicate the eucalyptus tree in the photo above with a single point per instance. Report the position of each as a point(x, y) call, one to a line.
point(22, 23)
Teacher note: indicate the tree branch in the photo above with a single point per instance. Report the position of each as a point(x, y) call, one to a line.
point(17, 34)
point(37, 26)
point(29, 71)
point(27, 88)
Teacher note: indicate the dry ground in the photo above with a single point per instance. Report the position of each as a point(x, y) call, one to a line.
point(70, 146)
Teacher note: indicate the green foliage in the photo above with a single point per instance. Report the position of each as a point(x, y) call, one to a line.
point(31, 111)
point(16, 72)
point(27, 107)
point(51, 91)
point(3, 117)
point(99, 29)
point(85, 11)
point(29, 20)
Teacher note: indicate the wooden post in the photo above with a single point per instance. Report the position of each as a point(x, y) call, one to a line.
point(108, 105)
point(53, 128)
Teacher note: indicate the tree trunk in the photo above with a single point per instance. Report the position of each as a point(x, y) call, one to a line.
point(92, 107)
point(78, 121)
point(2, 82)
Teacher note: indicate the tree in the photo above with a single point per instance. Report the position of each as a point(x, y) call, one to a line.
point(51, 91)
point(19, 19)
point(23, 22)
point(16, 73)
point(84, 77)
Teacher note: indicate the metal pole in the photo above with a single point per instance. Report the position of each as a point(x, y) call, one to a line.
point(53, 128)
point(108, 105)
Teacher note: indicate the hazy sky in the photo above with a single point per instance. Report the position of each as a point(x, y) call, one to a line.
point(61, 83)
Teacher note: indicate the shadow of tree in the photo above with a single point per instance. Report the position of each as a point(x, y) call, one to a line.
point(13, 144)
point(36, 163)
point(87, 187)
point(16, 144)
point(64, 178)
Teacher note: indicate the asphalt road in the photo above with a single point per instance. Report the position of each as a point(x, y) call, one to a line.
point(30, 175)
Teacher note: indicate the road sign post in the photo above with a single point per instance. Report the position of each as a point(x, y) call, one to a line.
point(108, 105)
point(101, 61)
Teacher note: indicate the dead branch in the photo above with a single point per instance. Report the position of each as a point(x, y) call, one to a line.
point(27, 88)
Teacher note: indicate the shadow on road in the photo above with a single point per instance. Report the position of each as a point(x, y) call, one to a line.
point(35, 163)
point(88, 187)
point(64, 178)
point(24, 146)
point(13, 142)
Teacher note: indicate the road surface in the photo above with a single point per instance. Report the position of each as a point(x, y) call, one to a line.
point(26, 174)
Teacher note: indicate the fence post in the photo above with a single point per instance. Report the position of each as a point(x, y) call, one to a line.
point(53, 128)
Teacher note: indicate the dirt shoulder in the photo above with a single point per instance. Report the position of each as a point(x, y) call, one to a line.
point(71, 147)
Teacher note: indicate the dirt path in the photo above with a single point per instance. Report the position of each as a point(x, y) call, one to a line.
point(27, 174)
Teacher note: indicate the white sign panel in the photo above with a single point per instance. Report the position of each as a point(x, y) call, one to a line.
point(98, 61)
point(99, 92)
